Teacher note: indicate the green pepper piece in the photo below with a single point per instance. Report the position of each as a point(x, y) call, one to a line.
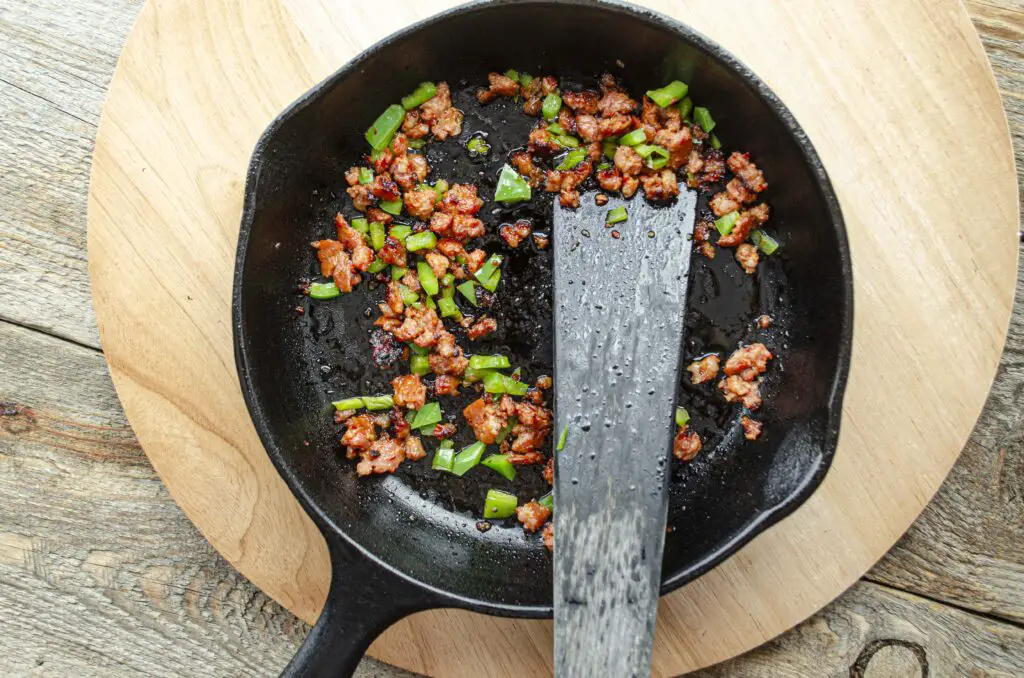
point(400, 232)
point(513, 74)
point(490, 268)
point(398, 272)
point(702, 117)
point(468, 290)
point(327, 290)
point(499, 463)
point(365, 175)
point(634, 138)
point(682, 417)
point(715, 143)
point(617, 215)
point(562, 438)
point(478, 146)
point(572, 159)
point(424, 240)
point(763, 241)
point(349, 404)
point(512, 187)
point(669, 94)
point(726, 223)
point(427, 278)
point(417, 144)
point(467, 458)
point(489, 362)
point(377, 235)
point(444, 458)
point(448, 307)
point(361, 225)
point(498, 504)
point(685, 108)
point(428, 415)
point(551, 106)
point(393, 207)
point(548, 501)
point(376, 403)
point(384, 127)
point(422, 94)
point(377, 266)
point(409, 297)
point(419, 365)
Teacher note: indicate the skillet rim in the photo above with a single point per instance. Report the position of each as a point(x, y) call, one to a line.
point(338, 538)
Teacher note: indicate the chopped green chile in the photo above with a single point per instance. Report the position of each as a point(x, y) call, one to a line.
point(419, 365)
point(409, 297)
point(417, 144)
point(444, 459)
point(428, 415)
point(555, 129)
point(715, 143)
point(467, 458)
point(327, 290)
point(566, 141)
point(377, 235)
point(604, 166)
point(498, 504)
point(424, 240)
point(422, 94)
point(513, 74)
point(512, 187)
point(702, 117)
point(609, 148)
point(431, 304)
point(398, 272)
point(572, 159)
point(562, 438)
point(500, 464)
point(418, 350)
point(547, 501)
point(634, 138)
point(427, 278)
point(669, 94)
point(383, 129)
point(400, 232)
point(496, 382)
point(617, 215)
point(448, 308)
point(551, 106)
point(726, 223)
point(361, 225)
point(468, 290)
point(682, 417)
point(377, 266)
point(349, 404)
point(490, 269)
point(525, 79)
point(478, 146)
point(440, 187)
point(491, 284)
point(375, 403)
point(365, 175)
point(762, 241)
point(685, 108)
point(489, 362)
point(393, 207)
point(472, 374)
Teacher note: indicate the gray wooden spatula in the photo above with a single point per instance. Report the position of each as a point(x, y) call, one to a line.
point(619, 306)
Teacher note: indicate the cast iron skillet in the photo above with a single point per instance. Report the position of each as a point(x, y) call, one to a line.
point(408, 542)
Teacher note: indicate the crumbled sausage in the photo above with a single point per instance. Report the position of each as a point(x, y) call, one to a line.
point(532, 427)
point(582, 102)
point(393, 252)
point(751, 428)
point(615, 126)
point(438, 263)
point(533, 515)
point(359, 434)
point(704, 370)
point(748, 257)
point(481, 328)
point(679, 144)
point(421, 327)
point(513, 234)
point(661, 186)
point(548, 535)
point(444, 430)
point(410, 391)
point(500, 85)
point(748, 362)
point(486, 420)
point(735, 389)
point(686, 444)
point(420, 203)
point(523, 163)
point(413, 126)
point(742, 167)
point(384, 187)
point(335, 263)
point(628, 161)
point(414, 449)
point(764, 322)
point(549, 471)
point(540, 142)
point(447, 358)
point(361, 198)
point(461, 199)
point(384, 456)
point(446, 384)
point(747, 221)
point(616, 103)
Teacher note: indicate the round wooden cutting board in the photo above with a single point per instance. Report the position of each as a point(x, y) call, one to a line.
point(898, 99)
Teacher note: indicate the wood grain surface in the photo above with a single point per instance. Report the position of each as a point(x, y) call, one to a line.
point(139, 592)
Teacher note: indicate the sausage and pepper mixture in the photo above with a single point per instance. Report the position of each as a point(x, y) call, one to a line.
point(418, 237)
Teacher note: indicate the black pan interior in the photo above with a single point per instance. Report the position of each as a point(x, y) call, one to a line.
point(422, 523)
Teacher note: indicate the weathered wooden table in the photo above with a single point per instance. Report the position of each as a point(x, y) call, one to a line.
point(101, 574)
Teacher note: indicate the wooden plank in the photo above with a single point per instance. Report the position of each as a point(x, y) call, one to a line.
point(101, 575)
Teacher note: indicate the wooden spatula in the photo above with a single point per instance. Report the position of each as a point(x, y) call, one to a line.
point(620, 297)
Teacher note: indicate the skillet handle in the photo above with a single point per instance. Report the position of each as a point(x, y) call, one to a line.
point(363, 601)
